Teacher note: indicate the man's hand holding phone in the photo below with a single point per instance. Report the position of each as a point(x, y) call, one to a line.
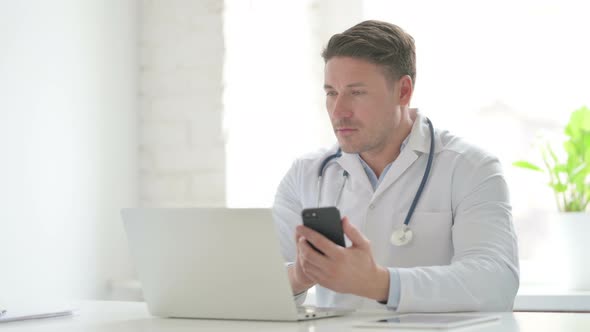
point(344, 270)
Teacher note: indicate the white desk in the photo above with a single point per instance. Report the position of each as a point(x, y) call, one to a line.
point(105, 316)
point(547, 299)
point(534, 299)
point(529, 298)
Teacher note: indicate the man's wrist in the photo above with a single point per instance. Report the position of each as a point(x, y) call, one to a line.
point(379, 290)
point(297, 285)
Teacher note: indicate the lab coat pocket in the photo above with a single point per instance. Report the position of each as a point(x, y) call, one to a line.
point(432, 241)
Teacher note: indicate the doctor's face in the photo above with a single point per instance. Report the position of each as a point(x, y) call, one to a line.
point(364, 107)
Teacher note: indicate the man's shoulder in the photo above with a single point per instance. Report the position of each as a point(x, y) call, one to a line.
point(308, 164)
point(464, 149)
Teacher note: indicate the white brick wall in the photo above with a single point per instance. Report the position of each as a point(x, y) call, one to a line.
point(182, 151)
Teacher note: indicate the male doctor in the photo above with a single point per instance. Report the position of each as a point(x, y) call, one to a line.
point(458, 251)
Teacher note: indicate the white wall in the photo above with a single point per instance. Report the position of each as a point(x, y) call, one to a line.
point(68, 147)
point(182, 148)
point(274, 99)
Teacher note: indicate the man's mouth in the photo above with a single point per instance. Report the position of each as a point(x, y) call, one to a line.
point(345, 130)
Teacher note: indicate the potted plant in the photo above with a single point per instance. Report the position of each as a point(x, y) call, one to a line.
point(569, 178)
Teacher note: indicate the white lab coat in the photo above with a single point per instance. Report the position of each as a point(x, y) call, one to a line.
point(463, 256)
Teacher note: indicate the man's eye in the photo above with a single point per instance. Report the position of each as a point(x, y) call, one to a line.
point(357, 92)
point(331, 93)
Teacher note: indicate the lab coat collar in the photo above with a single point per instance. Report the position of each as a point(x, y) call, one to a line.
point(351, 163)
point(419, 138)
point(418, 141)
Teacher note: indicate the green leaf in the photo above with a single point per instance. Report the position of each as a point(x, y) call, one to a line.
point(585, 150)
point(560, 168)
point(580, 171)
point(558, 187)
point(572, 207)
point(553, 156)
point(527, 165)
point(579, 123)
point(570, 148)
point(584, 114)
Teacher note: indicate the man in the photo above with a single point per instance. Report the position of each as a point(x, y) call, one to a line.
point(463, 253)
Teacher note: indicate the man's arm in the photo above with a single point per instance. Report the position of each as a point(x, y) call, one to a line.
point(287, 209)
point(483, 274)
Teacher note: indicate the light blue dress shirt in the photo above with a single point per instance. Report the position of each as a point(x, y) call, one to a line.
point(394, 280)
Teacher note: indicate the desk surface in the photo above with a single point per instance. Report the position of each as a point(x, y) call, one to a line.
point(547, 299)
point(133, 316)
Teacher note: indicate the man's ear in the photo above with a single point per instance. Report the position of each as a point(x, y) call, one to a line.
point(406, 89)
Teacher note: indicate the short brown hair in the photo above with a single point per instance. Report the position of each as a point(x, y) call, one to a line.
point(378, 42)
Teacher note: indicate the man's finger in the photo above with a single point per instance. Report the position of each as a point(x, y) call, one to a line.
point(356, 237)
point(313, 273)
point(297, 234)
point(310, 255)
point(319, 241)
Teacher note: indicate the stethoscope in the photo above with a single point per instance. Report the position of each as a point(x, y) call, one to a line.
point(402, 235)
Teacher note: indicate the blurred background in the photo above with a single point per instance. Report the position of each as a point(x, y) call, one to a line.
point(106, 104)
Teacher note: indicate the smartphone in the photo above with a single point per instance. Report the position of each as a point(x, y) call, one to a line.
point(326, 221)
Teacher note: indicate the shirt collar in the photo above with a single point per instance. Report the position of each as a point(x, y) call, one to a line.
point(367, 168)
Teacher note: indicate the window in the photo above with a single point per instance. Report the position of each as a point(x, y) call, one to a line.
point(499, 73)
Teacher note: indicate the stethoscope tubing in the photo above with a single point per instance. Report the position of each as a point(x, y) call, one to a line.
point(325, 164)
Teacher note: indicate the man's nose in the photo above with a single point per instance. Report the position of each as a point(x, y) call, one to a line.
point(341, 107)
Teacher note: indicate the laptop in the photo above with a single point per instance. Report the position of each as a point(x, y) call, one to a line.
point(213, 263)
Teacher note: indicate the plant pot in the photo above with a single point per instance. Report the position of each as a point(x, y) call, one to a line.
point(573, 229)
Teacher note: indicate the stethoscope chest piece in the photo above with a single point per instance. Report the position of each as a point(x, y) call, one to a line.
point(401, 236)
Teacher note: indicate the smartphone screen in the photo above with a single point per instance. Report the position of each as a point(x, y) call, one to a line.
point(326, 221)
